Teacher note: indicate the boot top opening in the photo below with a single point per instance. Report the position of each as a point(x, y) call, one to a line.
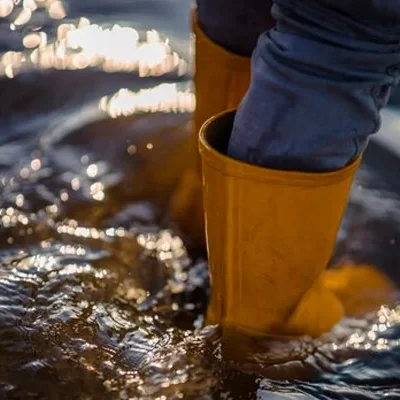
point(218, 132)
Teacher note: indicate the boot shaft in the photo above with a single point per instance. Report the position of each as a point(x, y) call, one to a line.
point(270, 235)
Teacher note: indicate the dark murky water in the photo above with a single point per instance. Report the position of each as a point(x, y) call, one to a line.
point(99, 298)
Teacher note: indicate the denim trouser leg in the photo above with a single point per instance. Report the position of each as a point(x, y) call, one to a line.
point(319, 78)
point(235, 24)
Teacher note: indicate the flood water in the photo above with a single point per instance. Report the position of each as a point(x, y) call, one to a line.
point(99, 297)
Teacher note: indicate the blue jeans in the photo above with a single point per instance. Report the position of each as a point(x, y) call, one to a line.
point(319, 79)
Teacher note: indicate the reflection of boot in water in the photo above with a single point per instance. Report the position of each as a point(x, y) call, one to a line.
point(365, 273)
point(221, 79)
point(360, 288)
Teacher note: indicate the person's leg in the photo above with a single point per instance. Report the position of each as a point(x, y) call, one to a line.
point(235, 25)
point(319, 80)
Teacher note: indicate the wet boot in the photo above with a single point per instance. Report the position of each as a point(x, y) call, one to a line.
point(270, 235)
point(221, 80)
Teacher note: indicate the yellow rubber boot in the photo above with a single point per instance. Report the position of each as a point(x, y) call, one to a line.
point(221, 80)
point(270, 235)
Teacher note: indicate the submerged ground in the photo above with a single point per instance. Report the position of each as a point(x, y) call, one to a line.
point(99, 297)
